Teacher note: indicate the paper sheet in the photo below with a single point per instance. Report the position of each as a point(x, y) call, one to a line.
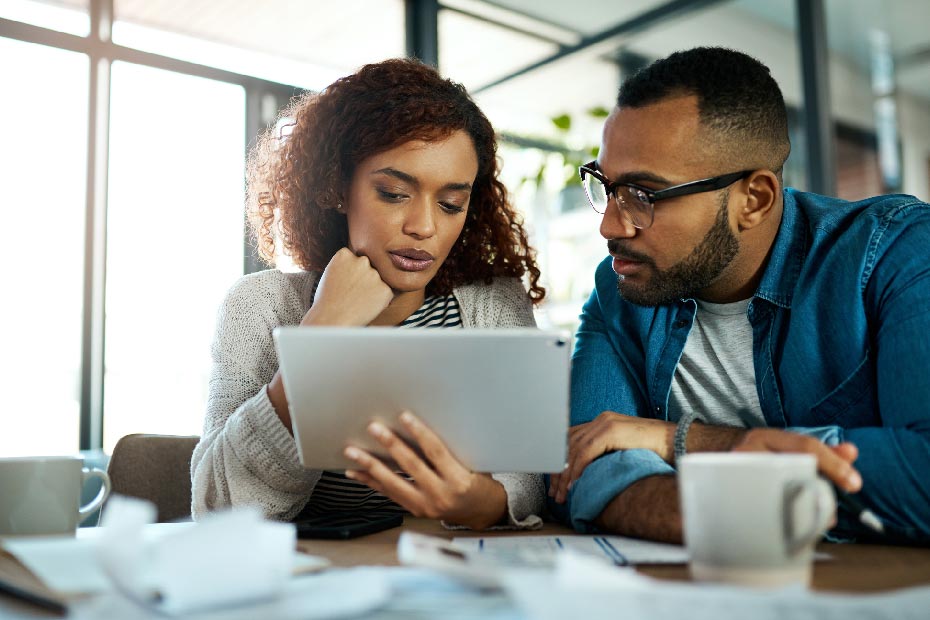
point(230, 558)
point(541, 551)
point(580, 587)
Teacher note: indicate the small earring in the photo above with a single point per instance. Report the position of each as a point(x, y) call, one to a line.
point(339, 207)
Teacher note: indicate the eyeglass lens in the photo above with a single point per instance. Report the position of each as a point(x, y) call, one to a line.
point(633, 203)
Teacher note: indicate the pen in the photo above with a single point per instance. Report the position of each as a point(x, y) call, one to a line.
point(865, 516)
point(25, 594)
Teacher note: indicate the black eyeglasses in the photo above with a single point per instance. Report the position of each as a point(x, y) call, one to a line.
point(637, 203)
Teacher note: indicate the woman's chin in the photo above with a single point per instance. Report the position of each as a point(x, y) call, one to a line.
point(407, 281)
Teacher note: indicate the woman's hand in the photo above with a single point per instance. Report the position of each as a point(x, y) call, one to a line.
point(442, 488)
point(351, 293)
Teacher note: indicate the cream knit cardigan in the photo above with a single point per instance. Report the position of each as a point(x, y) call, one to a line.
point(247, 456)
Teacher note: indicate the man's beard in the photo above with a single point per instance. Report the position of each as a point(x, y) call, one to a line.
point(693, 273)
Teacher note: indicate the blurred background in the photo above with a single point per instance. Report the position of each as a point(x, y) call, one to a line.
point(128, 124)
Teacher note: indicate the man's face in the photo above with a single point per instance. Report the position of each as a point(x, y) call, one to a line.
point(691, 241)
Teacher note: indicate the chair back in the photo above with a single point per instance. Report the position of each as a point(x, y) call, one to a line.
point(156, 468)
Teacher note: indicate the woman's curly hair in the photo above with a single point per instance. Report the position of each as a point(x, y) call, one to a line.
point(303, 167)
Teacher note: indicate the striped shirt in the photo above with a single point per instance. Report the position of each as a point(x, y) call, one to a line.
point(334, 492)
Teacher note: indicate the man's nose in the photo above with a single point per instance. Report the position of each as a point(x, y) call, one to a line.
point(615, 224)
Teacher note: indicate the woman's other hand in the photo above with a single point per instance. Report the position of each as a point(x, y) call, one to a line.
point(351, 293)
point(442, 488)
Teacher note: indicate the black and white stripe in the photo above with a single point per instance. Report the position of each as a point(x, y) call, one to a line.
point(336, 493)
point(437, 311)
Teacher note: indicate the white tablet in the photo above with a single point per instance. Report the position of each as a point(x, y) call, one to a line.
point(498, 398)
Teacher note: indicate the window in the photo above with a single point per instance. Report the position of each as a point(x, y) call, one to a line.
point(174, 243)
point(43, 176)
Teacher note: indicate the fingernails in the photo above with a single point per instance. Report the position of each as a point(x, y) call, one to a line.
point(350, 474)
point(408, 418)
point(378, 430)
point(353, 453)
point(854, 480)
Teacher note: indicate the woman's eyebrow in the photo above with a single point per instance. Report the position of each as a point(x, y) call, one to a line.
point(409, 178)
point(397, 174)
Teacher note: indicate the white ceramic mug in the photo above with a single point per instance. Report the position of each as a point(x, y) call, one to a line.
point(753, 517)
point(42, 494)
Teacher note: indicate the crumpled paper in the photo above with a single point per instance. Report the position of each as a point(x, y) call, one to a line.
point(228, 558)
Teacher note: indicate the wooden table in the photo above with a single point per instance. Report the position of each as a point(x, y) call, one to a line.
point(854, 567)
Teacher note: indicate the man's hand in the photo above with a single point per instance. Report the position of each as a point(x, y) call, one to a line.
point(351, 293)
point(442, 488)
point(833, 462)
point(610, 432)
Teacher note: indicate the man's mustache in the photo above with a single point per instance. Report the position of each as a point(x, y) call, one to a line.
point(618, 251)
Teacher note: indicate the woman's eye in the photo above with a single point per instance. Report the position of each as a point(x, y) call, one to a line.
point(390, 196)
point(448, 207)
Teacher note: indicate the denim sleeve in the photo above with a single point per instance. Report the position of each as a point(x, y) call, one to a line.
point(606, 376)
point(607, 477)
point(830, 435)
point(894, 457)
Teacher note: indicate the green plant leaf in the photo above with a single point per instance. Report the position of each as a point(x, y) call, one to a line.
point(598, 112)
point(562, 121)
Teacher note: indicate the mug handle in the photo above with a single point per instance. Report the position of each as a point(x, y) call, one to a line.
point(824, 509)
point(87, 474)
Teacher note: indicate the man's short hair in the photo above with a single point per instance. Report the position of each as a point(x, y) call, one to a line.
point(738, 99)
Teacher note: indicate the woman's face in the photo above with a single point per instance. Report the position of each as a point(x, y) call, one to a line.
point(406, 208)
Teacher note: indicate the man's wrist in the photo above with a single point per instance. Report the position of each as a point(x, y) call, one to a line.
point(681, 436)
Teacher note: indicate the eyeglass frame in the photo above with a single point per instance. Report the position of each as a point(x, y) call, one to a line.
point(652, 196)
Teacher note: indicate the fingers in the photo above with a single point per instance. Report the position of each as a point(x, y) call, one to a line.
point(442, 487)
point(434, 449)
point(403, 455)
point(846, 451)
point(350, 292)
point(374, 473)
point(834, 463)
point(554, 481)
point(838, 469)
point(583, 447)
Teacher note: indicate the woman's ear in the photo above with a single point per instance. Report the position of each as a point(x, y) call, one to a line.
point(762, 192)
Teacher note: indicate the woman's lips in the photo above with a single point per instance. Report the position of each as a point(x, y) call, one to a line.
point(411, 260)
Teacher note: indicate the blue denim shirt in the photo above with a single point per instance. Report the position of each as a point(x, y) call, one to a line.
point(841, 348)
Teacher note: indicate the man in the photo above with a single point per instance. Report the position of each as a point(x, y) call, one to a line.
point(772, 319)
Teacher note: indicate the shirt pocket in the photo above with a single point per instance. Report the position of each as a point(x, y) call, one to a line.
point(851, 403)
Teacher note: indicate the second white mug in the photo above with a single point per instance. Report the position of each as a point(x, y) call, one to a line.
point(753, 518)
point(41, 495)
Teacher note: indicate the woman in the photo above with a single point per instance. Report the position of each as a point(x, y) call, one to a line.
point(384, 189)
